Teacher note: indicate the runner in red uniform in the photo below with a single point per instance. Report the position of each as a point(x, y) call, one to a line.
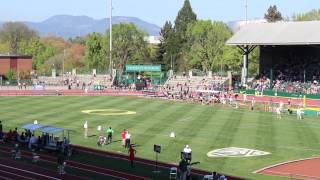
point(131, 152)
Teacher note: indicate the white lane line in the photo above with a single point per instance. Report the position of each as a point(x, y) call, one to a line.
point(14, 175)
point(30, 172)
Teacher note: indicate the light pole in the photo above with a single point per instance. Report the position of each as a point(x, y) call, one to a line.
point(110, 43)
point(171, 62)
point(64, 56)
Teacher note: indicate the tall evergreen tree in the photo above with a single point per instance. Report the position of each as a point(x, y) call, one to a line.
point(185, 17)
point(94, 53)
point(273, 15)
point(163, 56)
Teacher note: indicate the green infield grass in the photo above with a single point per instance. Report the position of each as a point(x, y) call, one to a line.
point(203, 128)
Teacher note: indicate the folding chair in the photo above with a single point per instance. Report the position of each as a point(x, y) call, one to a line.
point(17, 155)
point(208, 177)
point(35, 157)
point(173, 173)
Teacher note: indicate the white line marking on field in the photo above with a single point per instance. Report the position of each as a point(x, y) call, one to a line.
point(236, 152)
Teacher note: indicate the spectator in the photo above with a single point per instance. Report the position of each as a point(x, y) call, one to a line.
point(15, 134)
point(33, 140)
point(183, 169)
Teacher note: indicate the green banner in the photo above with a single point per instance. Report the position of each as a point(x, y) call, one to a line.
point(145, 68)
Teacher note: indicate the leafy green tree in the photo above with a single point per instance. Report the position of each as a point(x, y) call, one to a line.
point(78, 40)
point(95, 53)
point(4, 47)
point(313, 15)
point(273, 15)
point(10, 75)
point(14, 33)
point(39, 51)
point(128, 45)
point(254, 60)
point(207, 40)
point(232, 58)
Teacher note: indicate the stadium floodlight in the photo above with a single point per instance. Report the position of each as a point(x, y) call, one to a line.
point(110, 41)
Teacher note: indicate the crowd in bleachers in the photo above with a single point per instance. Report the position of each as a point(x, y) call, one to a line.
point(74, 81)
point(206, 92)
point(293, 75)
point(282, 84)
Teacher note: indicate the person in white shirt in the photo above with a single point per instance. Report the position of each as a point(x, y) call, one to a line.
point(299, 113)
point(85, 126)
point(128, 140)
point(244, 97)
point(278, 111)
point(281, 105)
point(253, 102)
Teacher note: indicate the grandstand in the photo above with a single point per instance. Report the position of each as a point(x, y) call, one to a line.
point(289, 54)
point(75, 81)
point(195, 83)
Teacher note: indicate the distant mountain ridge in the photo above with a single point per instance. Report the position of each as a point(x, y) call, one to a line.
point(68, 26)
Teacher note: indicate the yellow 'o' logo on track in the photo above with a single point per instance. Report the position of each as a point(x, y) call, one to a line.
point(108, 112)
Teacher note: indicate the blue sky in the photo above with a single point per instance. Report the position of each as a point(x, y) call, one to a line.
point(153, 11)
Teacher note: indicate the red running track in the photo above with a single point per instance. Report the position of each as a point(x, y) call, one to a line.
point(10, 169)
point(143, 161)
point(83, 167)
point(300, 169)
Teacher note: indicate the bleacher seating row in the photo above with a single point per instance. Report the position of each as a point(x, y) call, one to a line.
point(196, 82)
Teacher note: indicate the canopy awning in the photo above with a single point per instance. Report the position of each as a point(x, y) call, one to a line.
point(32, 127)
point(51, 130)
point(279, 33)
point(42, 128)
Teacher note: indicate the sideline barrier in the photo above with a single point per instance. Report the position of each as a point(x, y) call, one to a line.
point(279, 94)
point(68, 93)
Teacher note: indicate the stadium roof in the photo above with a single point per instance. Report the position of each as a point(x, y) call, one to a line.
point(279, 33)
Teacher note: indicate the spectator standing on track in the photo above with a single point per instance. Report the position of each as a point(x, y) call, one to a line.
point(109, 133)
point(61, 164)
point(183, 167)
point(128, 139)
point(131, 152)
point(123, 137)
